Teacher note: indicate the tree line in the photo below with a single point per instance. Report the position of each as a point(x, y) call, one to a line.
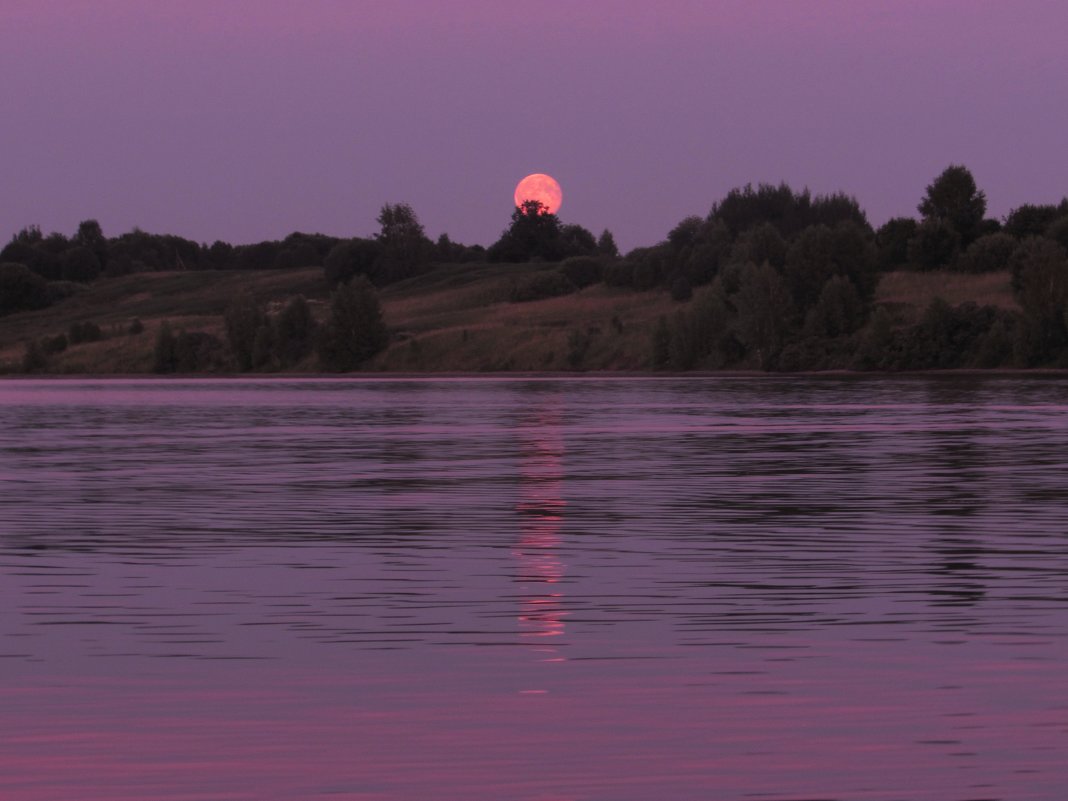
point(770, 278)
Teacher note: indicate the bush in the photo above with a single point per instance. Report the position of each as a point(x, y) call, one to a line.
point(244, 317)
point(79, 264)
point(197, 352)
point(619, 274)
point(34, 358)
point(354, 331)
point(135, 327)
point(541, 285)
point(681, 290)
point(934, 245)
point(582, 271)
point(351, 258)
point(84, 332)
point(838, 312)
point(56, 344)
point(21, 289)
point(892, 242)
point(164, 359)
point(294, 331)
point(61, 290)
point(987, 254)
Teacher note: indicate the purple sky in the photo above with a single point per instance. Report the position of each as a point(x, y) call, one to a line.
point(246, 120)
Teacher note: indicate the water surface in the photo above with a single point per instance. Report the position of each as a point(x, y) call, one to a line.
point(539, 590)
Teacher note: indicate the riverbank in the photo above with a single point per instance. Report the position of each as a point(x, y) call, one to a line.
point(456, 319)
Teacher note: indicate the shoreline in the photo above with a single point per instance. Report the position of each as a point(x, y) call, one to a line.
point(1006, 372)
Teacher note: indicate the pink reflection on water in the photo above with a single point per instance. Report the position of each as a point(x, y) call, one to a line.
point(541, 508)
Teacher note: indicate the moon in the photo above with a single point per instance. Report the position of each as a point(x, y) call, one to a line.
point(540, 187)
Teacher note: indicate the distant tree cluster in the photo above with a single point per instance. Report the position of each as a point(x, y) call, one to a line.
point(263, 341)
point(785, 281)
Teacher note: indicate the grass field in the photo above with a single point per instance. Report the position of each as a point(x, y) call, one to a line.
point(456, 318)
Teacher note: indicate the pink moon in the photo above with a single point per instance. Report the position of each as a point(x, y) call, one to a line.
point(540, 187)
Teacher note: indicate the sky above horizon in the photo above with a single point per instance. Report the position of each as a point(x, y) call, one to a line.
point(245, 120)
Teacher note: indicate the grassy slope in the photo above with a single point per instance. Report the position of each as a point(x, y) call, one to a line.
point(456, 318)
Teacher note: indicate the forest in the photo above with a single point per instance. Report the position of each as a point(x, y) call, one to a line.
point(770, 279)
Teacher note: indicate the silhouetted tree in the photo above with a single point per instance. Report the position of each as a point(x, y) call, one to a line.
point(1040, 278)
point(34, 359)
point(21, 289)
point(294, 331)
point(576, 241)
point(954, 199)
point(764, 311)
point(350, 258)
point(892, 242)
point(987, 254)
point(164, 357)
point(79, 264)
point(819, 253)
point(606, 245)
point(243, 318)
point(1030, 220)
point(582, 271)
point(838, 312)
point(405, 246)
point(533, 234)
point(354, 330)
point(759, 244)
point(91, 237)
point(935, 244)
point(1058, 231)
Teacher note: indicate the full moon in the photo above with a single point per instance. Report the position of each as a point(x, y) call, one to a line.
point(542, 188)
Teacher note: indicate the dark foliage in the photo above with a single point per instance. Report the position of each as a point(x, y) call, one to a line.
point(582, 271)
point(1029, 220)
point(351, 258)
point(243, 319)
point(34, 359)
point(935, 245)
point(606, 245)
point(954, 199)
point(787, 210)
point(892, 242)
point(294, 332)
point(354, 330)
point(21, 289)
point(541, 285)
point(987, 254)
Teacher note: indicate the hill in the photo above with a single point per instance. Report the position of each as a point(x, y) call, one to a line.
point(454, 318)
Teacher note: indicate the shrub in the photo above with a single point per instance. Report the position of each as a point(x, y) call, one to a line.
point(351, 258)
point(34, 358)
point(838, 312)
point(680, 289)
point(541, 285)
point(354, 330)
point(582, 271)
point(935, 244)
point(987, 254)
point(294, 331)
point(84, 332)
point(198, 351)
point(21, 289)
point(164, 359)
point(56, 344)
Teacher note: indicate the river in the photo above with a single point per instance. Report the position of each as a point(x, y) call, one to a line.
point(534, 589)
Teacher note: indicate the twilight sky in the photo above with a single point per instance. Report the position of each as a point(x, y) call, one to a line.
point(245, 120)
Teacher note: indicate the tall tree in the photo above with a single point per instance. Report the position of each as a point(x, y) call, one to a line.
point(405, 246)
point(533, 234)
point(954, 198)
point(354, 330)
